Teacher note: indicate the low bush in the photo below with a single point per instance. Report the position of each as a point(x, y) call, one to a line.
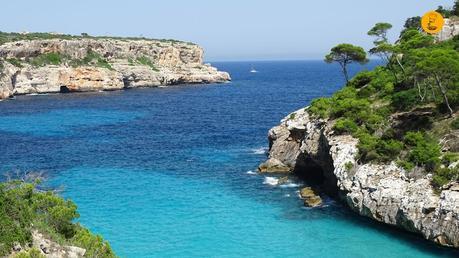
point(320, 107)
point(94, 244)
point(53, 58)
point(405, 100)
point(16, 62)
point(425, 153)
point(147, 61)
point(455, 123)
point(92, 58)
point(388, 150)
point(444, 175)
point(24, 208)
point(345, 125)
point(361, 79)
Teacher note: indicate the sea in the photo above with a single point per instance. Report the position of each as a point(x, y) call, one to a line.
point(171, 172)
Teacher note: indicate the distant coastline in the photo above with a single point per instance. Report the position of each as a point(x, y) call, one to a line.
point(48, 63)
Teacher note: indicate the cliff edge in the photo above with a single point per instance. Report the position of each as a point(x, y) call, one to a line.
point(309, 147)
point(94, 64)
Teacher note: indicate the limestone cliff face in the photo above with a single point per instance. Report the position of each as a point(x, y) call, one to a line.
point(450, 29)
point(169, 63)
point(308, 146)
point(47, 248)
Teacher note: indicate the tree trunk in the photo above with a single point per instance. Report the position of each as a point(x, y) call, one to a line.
point(391, 67)
point(416, 83)
point(401, 66)
point(445, 97)
point(346, 76)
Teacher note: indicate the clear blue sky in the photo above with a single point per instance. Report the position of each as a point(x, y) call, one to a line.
point(227, 29)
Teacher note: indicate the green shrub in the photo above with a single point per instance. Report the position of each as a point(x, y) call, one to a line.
point(383, 81)
point(361, 79)
point(351, 108)
point(406, 164)
point(455, 123)
point(425, 153)
point(147, 61)
point(53, 58)
point(388, 149)
point(94, 244)
point(366, 92)
point(16, 215)
point(32, 253)
point(16, 62)
point(92, 58)
point(414, 138)
point(320, 107)
point(443, 176)
point(348, 166)
point(449, 158)
point(405, 100)
point(22, 209)
point(59, 213)
point(345, 125)
point(367, 146)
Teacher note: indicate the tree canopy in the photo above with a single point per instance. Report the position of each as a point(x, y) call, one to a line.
point(345, 54)
point(380, 32)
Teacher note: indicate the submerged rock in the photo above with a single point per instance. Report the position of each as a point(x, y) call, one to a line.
point(311, 199)
point(308, 147)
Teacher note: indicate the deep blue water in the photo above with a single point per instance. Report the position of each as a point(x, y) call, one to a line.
point(163, 172)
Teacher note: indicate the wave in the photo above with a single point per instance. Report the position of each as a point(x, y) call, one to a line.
point(260, 151)
point(250, 172)
point(38, 94)
point(290, 185)
point(270, 181)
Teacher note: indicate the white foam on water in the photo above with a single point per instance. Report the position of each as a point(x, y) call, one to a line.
point(270, 181)
point(250, 172)
point(290, 185)
point(260, 151)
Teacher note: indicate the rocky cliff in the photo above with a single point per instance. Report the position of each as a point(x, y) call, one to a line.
point(450, 29)
point(45, 247)
point(308, 147)
point(94, 64)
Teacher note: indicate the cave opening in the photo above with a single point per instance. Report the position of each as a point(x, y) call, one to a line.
point(64, 89)
point(318, 174)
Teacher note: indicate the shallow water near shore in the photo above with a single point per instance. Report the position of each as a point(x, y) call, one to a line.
point(168, 172)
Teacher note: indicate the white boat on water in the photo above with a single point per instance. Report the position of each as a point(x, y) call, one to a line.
point(252, 70)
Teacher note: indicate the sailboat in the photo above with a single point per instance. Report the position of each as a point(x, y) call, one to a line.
point(252, 70)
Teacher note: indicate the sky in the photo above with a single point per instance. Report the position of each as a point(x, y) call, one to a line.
point(228, 30)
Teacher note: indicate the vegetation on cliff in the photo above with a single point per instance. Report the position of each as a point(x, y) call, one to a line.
point(405, 110)
point(14, 36)
point(23, 208)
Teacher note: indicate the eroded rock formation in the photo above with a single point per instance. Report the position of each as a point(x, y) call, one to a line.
point(130, 63)
point(308, 147)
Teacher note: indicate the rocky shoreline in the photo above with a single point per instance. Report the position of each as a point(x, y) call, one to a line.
point(117, 64)
point(307, 146)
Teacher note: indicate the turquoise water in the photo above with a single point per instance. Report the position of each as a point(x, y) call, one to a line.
point(168, 172)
